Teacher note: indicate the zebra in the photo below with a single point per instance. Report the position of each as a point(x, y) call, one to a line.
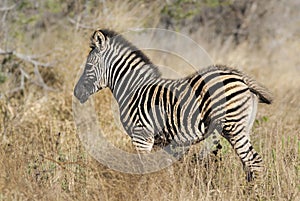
point(156, 112)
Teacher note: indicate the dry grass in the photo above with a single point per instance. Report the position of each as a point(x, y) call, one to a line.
point(41, 157)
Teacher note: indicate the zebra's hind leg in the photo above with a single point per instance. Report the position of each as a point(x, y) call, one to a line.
point(240, 141)
point(236, 129)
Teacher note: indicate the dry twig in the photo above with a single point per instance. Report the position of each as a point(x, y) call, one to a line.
point(3, 9)
point(30, 59)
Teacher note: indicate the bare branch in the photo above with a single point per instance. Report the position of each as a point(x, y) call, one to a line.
point(2, 52)
point(40, 81)
point(3, 9)
point(36, 56)
point(26, 58)
point(24, 75)
point(30, 59)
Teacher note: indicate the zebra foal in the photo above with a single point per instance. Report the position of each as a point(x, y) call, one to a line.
point(159, 111)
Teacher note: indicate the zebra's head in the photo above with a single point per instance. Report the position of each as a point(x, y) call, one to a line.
point(93, 77)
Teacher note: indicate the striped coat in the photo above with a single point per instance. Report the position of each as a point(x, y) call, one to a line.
point(158, 111)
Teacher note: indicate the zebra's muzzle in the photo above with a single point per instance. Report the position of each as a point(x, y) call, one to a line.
point(81, 93)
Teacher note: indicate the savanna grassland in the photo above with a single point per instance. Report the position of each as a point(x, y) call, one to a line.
point(43, 44)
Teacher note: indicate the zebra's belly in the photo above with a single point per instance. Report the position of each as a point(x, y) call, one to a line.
point(179, 136)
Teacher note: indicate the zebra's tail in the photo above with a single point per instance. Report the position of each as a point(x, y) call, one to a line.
point(263, 94)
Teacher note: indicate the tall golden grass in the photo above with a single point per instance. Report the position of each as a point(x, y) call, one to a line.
point(42, 158)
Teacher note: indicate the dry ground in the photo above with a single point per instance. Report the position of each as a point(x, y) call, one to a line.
point(42, 158)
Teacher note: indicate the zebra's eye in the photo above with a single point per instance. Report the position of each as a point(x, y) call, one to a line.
point(92, 48)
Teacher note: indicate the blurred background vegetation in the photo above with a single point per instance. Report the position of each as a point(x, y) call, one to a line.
point(44, 43)
point(25, 23)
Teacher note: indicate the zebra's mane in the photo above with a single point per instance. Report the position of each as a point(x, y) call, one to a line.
point(120, 39)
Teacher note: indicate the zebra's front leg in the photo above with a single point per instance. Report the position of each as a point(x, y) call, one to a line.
point(143, 144)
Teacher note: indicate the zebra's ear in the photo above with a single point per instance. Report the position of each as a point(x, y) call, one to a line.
point(98, 40)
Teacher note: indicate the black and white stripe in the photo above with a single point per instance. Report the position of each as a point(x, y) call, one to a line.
point(158, 111)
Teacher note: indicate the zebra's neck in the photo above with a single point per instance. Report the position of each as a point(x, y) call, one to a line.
point(130, 80)
point(129, 69)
